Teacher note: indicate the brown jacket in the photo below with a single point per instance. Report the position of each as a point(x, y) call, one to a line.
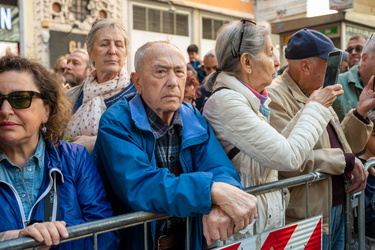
point(287, 100)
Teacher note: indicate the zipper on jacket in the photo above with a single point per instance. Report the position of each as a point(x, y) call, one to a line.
point(44, 194)
point(23, 216)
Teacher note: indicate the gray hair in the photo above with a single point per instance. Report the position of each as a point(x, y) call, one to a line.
point(228, 40)
point(89, 63)
point(105, 23)
point(141, 52)
point(370, 46)
point(210, 54)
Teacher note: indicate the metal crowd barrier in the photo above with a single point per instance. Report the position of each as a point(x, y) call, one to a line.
point(132, 219)
point(357, 202)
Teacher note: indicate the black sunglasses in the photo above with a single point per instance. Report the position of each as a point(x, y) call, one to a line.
point(357, 48)
point(19, 99)
point(245, 22)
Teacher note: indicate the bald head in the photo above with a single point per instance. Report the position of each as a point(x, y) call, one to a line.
point(149, 48)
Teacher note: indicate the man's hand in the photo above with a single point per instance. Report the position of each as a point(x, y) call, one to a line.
point(358, 177)
point(47, 232)
point(326, 96)
point(366, 99)
point(217, 225)
point(237, 204)
point(86, 141)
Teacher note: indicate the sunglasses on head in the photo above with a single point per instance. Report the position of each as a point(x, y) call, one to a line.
point(244, 22)
point(357, 48)
point(19, 99)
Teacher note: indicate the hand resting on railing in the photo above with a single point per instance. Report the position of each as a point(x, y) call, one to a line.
point(47, 232)
point(232, 211)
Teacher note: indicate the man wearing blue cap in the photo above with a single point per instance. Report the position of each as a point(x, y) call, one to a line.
point(307, 53)
point(354, 80)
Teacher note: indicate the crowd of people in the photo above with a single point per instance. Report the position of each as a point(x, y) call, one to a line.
point(90, 140)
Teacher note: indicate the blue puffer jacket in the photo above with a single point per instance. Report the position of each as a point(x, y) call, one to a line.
point(81, 196)
point(124, 154)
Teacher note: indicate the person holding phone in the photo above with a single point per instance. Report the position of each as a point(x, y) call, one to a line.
point(238, 112)
point(354, 81)
point(307, 53)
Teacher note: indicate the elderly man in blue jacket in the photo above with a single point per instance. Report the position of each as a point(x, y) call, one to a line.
point(159, 155)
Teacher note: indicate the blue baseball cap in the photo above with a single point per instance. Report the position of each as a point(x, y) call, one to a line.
point(307, 43)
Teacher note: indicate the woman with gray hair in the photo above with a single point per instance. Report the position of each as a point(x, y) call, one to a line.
point(107, 44)
point(238, 112)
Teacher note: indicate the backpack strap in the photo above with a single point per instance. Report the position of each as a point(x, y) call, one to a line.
point(234, 151)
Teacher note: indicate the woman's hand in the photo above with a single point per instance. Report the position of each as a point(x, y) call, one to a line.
point(326, 96)
point(47, 232)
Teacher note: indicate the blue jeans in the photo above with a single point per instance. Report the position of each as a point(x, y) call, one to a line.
point(336, 239)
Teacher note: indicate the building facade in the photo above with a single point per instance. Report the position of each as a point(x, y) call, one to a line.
point(47, 29)
point(344, 19)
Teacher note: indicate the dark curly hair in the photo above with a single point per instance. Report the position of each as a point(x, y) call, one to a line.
point(50, 89)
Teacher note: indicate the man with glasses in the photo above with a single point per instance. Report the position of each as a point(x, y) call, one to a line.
point(354, 81)
point(354, 48)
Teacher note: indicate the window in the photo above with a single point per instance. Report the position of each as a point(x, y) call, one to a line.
point(160, 21)
point(79, 9)
point(210, 27)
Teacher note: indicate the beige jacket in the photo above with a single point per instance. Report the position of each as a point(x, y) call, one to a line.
point(234, 115)
point(287, 100)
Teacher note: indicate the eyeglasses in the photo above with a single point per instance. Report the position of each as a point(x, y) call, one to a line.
point(245, 22)
point(60, 69)
point(357, 49)
point(19, 99)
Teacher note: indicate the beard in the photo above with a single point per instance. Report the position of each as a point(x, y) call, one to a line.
point(73, 81)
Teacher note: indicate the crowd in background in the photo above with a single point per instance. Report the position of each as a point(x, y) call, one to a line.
point(91, 140)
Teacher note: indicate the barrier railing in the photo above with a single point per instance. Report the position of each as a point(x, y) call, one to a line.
point(356, 201)
point(132, 219)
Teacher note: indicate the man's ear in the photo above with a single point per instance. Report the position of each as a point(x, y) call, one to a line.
point(305, 66)
point(135, 79)
point(364, 58)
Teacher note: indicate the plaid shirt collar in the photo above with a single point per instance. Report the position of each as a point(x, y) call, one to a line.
point(159, 127)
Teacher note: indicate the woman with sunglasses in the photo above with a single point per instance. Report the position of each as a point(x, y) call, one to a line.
point(107, 44)
point(45, 184)
point(238, 112)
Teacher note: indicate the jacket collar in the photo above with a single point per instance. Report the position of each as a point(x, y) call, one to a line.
point(52, 159)
point(296, 91)
point(354, 76)
point(188, 113)
point(225, 80)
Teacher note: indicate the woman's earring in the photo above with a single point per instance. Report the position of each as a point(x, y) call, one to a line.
point(249, 71)
point(44, 128)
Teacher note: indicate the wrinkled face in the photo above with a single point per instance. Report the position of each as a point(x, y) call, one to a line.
point(368, 63)
point(162, 80)
point(108, 51)
point(315, 78)
point(210, 64)
point(77, 68)
point(263, 70)
point(20, 126)
point(354, 49)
